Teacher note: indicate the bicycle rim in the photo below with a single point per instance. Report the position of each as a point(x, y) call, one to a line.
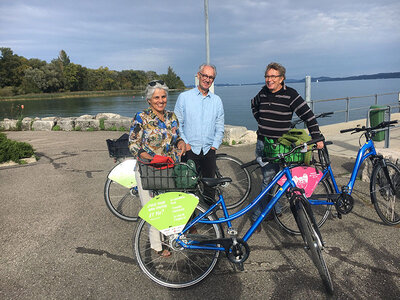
point(235, 192)
point(321, 212)
point(121, 201)
point(184, 267)
point(314, 248)
point(386, 202)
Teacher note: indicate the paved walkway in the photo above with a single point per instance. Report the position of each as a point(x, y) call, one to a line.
point(59, 241)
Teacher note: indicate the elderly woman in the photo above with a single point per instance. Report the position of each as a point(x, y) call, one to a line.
point(154, 131)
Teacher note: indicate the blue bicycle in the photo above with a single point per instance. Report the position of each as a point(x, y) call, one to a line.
point(196, 249)
point(384, 185)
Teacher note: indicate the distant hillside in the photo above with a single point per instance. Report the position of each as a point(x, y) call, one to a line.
point(359, 77)
point(325, 78)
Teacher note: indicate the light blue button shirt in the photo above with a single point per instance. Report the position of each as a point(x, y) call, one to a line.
point(201, 120)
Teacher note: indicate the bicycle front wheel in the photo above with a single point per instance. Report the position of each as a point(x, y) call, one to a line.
point(314, 245)
point(385, 199)
point(235, 192)
point(121, 201)
point(285, 218)
point(185, 267)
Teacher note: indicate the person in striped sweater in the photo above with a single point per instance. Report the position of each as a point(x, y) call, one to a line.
point(273, 109)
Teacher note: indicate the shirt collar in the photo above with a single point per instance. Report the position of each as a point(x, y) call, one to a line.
point(153, 115)
point(201, 94)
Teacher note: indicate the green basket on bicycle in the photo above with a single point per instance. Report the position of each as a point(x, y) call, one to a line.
point(285, 144)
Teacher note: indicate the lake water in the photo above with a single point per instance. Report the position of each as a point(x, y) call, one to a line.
point(236, 101)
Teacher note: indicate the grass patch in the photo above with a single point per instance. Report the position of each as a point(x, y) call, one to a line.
point(101, 125)
point(56, 128)
point(77, 128)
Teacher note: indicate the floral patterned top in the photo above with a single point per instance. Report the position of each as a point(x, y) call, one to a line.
point(148, 133)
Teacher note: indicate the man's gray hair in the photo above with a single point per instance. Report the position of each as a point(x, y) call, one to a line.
point(151, 89)
point(208, 65)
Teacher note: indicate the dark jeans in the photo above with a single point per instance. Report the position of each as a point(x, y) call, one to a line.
point(206, 166)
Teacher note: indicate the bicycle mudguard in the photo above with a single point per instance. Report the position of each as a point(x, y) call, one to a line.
point(124, 173)
point(305, 177)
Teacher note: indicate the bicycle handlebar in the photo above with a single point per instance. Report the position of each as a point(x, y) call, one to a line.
point(363, 128)
point(321, 115)
point(251, 163)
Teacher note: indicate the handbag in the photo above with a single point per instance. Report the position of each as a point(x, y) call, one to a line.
point(185, 175)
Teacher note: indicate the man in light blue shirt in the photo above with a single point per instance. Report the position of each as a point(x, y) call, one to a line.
point(201, 123)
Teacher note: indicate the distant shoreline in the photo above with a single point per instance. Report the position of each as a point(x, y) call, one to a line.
point(69, 95)
point(394, 75)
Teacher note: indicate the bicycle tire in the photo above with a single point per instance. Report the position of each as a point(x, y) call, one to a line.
point(386, 202)
point(286, 219)
point(313, 245)
point(123, 202)
point(237, 191)
point(185, 267)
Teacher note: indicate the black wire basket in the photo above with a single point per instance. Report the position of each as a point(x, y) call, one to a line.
point(168, 177)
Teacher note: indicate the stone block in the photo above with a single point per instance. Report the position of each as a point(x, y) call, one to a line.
point(87, 123)
point(107, 116)
point(66, 124)
point(8, 124)
point(122, 122)
point(42, 125)
point(238, 134)
point(26, 123)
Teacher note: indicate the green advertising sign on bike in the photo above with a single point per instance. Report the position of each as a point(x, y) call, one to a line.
point(169, 212)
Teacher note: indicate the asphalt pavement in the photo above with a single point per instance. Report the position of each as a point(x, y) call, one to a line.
point(59, 241)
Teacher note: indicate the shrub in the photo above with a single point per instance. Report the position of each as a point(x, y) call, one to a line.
point(6, 91)
point(13, 150)
point(77, 128)
point(56, 128)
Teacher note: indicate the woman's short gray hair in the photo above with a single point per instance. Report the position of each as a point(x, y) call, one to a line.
point(208, 65)
point(152, 86)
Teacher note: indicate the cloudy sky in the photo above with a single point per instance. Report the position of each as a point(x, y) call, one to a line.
point(309, 37)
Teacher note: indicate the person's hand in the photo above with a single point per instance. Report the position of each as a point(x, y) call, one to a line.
point(320, 145)
point(212, 148)
point(182, 147)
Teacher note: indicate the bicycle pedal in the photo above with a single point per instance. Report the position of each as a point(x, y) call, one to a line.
point(240, 266)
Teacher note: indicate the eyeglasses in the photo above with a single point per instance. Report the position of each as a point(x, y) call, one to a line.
point(154, 82)
point(206, 76)
point(272, 76)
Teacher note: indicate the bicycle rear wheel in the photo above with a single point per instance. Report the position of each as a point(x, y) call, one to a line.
point(314, 245)
point(185, 267)
point(386, 201)
point(235, 192)
point(121, 201)
point(321, 212)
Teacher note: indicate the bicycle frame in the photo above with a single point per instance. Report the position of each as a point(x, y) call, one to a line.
point(367, 150)
point(228, 218)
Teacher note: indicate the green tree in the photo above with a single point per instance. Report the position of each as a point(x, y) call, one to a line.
point(74, 76)
point(64, 58)
point(172, 80)
point(12, 68)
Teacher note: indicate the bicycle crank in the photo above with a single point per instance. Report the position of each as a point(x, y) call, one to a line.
point(238, 252)
point(344, 203)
